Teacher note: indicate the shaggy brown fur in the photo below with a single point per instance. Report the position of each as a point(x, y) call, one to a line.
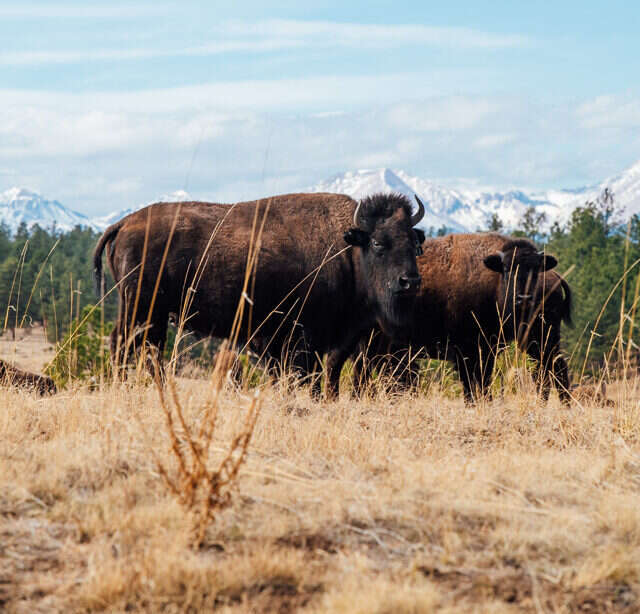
point(592, 392)
point(12, 376)
point(332, 297)
point(464, 311)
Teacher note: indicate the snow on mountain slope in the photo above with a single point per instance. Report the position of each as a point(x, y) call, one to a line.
point(457, 209)
point(19, 205)
point(359, 184)
point(625, 188)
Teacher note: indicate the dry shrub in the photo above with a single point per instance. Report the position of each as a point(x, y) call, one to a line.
point(200, 489)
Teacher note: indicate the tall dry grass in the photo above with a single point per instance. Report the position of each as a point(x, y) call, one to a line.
point(390, 504)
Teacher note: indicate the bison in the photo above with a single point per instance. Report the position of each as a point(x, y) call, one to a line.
point(328, 268)
point(23, 379)
point(480, 291)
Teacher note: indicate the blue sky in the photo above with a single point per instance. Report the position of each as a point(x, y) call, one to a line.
point(112, 104)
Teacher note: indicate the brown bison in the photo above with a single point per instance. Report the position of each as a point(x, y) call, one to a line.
point(328, 268)
point(480, 291)
point(13, 376)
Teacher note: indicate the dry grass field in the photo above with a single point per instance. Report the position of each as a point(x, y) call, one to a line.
point(395, 504)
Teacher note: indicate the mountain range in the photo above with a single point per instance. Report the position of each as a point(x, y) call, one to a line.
point(459, 210)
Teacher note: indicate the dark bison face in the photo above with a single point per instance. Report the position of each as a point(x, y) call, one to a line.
point(388, 245)
point(520, 264)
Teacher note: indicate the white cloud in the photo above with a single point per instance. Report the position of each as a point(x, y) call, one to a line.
point(447, 113)
point(26, 58)
point(326, 33)
point(488, 141)
point(124, 186)
point(610, 112)
point(231, 96)
point(261, 37)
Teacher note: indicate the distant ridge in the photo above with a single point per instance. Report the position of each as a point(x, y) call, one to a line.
point(459, 209)
point(456, 209)
point(18, 205)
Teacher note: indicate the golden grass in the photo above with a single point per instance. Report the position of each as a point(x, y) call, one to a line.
point(390, 504)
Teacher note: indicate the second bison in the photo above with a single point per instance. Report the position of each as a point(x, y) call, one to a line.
point(480, 291)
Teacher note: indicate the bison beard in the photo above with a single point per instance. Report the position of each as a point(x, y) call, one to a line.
point(305, 237)
point(396, 312)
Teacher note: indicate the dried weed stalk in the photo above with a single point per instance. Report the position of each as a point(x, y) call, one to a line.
point(202, 490)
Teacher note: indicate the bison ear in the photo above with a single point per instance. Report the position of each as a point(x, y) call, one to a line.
point(549, 262)
point(494, 262)
point(420, 235)
point(355, 236)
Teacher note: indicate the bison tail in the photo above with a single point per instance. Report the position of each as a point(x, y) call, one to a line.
point(567, 305)
point(108, 236)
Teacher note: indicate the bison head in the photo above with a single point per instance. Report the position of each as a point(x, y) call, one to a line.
point(519, 263)
point(387, 248)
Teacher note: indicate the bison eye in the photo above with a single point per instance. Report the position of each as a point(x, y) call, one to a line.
point(376, 244)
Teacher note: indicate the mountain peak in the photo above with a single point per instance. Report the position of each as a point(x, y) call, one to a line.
point(21, 205)
point(16, 193)
point(363, 182)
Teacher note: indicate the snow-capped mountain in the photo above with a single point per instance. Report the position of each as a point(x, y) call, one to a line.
point(359, 184)
point(625, 188)
point(474, 208)
point(19, 205)
point(469, 210)
point(457, 209)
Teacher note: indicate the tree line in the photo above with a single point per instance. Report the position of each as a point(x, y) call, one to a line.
point(46, 277)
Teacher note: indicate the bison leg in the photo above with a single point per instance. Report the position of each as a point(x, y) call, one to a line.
point(298, 356)
point(128, 336)
point(154, 350)
point(475, 368)
point(335, 361)
point(362, 366)
point(377, 352)
point(406, 369)
point(488, 361)
point(545, 350)
point(464, 366)
point(308, 368)
point(561, 373)
point(316, 379)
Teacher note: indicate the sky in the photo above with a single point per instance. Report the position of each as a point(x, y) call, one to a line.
point(105, 105)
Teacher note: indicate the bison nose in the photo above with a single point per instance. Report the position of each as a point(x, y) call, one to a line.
point(409, 283)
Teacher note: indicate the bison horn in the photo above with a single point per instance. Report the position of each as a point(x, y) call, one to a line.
point(356, 216)
point(419, 214)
